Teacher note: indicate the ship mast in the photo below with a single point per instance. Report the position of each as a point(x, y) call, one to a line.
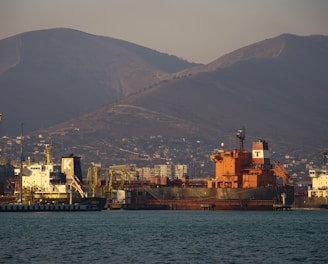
point(325, 158)
point(21, 168)
point(241, 136)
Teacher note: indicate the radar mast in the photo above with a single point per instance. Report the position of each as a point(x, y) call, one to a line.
point(241, 136)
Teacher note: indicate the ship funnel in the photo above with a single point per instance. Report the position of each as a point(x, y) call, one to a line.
point(260, 153)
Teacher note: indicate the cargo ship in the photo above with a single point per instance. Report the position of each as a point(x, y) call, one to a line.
point(244, 180)
point(45, 186)
point(317, 192)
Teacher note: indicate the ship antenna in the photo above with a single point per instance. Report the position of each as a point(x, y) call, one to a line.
point(325, 158)
point(241, 136)
point(20, 195)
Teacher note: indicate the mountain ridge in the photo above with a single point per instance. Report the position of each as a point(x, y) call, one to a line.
point(290, 107)
point(277, 88)
point(80, 72)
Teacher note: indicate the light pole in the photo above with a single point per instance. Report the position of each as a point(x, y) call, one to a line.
point(21, 168)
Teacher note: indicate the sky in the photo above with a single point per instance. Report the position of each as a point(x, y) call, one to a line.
point(195, 30)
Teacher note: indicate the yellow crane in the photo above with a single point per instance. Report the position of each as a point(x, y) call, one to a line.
point(125, 176)
point(122, 180)
point(109, 179)
point(92, 179)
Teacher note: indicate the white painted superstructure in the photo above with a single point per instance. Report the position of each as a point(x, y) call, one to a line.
point(319, 179)
point(38, 178)
point(319, 186)
point(47, 180)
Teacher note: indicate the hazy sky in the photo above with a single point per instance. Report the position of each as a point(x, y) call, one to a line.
point(195, 30)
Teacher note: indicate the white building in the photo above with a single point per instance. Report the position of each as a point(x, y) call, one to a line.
point(145, 173)
point(180, 171)
point(163, 171)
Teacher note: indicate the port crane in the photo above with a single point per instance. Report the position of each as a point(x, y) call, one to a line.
point(282, 173)
point(109, 179)
point(92, 179)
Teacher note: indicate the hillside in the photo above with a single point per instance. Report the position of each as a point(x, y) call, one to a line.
point(51, 76)
point(127, 100)
point(277, 88)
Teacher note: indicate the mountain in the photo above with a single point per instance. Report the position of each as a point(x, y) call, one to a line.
point(50, 76)
point(277, 88)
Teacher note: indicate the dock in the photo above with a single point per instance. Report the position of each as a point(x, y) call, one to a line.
point(281, 207)
point(207, 207)
point(47, 207)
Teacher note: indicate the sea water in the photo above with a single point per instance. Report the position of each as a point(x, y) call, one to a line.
point(164, 237)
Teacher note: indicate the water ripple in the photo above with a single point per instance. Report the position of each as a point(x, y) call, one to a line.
point(164, 237)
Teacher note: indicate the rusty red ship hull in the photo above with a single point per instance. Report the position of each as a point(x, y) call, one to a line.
point(212, 204)
point(202, 198)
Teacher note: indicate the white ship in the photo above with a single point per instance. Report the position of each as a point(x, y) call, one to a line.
point(46, 180)
point(319, 178)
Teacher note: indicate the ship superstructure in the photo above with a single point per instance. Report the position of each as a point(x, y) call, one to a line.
point(46, 180)
point(240, 168)
point(319, 179)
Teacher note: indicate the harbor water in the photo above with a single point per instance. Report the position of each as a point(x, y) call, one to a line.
point(297, 236)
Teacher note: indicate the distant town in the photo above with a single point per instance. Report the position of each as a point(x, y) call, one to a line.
point(151, 156)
